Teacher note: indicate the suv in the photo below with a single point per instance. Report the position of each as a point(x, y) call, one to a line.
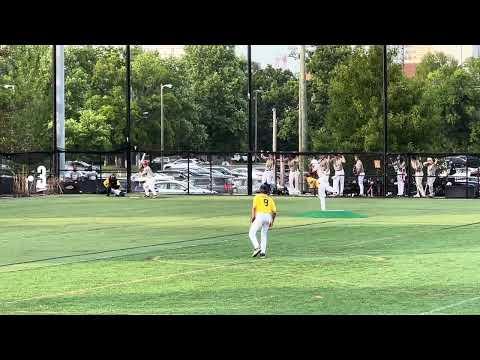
point(6, 179)
point(219, 184)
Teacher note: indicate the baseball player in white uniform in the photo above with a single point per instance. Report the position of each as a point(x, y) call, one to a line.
point(339, 177)
point(400, 169)
point(322, 168)
point(149, 179)
point(360, 172)
point(418, 168)
point(293, 176)
point(268, 176)
point(431, 175)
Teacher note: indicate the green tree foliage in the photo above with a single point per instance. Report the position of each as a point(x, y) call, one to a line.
point(280, 91)
point(437, 110)
point(216, 90)
point(183, 129)
point(353, 118)
point(25, 108)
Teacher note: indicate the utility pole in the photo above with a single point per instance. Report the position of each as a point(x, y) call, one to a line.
point(385, 119)
point(302, 115)
point(56, 170)
point(60, 104)
point(162, 146)
point(256, 121)
point(128, 100)
point(274, 139)
point(161, 127)
point(256, 117)
point(250, 133)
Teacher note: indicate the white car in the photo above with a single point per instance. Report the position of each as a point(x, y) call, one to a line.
point(158, 160)
point(179, 187)
point(238, 157)
point(184, 163)
point(157, 177)
point(81, 166)
point(256, 173)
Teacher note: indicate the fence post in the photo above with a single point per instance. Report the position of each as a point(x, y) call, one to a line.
point(478, 180)
point(129, 121)
point(250, 122)
point(100, 170)
point(385, 119)
point(209, 157)
point(466, 176)
point(409, 173)
point(188, 173)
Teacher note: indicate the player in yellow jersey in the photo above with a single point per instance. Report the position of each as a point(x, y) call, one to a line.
point(263, 216)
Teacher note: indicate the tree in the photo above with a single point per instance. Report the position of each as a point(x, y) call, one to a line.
point(353, 121)
point(182, 127)
point(95, 94)
point(280, 91)
point(217, 82)
point(321, 63)
point(26, 110)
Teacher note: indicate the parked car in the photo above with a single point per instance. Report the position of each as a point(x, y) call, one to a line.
point(80, 175)
point(80, 170)
point(223, 170)
point(6, 179)
point(177, 174)
point(157, 177)
point(179, 187)
point(256, 173)
point(184, 163)
point(238, 158)
point(220, 184)
point(80, 165)
point(158, 160)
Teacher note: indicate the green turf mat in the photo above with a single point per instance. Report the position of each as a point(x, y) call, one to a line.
point(339, 214)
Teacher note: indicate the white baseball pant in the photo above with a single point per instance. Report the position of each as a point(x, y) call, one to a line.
point(418, 182)
point(430, 181)
point(323, 187)
point(360, 182)
point(262, 220)
point(149, 185)
point(339, 181)
point(400, 184)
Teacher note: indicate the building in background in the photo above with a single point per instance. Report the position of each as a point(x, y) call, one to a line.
point(412, 55)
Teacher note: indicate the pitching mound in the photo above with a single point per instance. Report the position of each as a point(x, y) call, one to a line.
point(343, 214)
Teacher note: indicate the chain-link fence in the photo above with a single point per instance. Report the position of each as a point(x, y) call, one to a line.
point(288, 173)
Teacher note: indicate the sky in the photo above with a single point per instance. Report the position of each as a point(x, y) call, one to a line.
point(275, 55)
point(271, 54)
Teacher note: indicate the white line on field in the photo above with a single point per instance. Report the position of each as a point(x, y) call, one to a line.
point(152, 278)
point(450, 306)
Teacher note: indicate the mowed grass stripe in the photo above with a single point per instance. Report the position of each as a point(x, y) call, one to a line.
point(308, 271)
point(156, 245)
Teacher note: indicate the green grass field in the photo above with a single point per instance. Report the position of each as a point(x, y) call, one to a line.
point(191, 255)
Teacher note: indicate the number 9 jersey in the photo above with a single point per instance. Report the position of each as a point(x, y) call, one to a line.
point(263, 203)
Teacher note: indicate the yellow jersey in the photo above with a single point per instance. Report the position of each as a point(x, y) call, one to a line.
point(264, 204)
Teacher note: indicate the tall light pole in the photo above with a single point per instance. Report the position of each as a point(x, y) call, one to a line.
point(60, 104)
point(302, 114)
point(274, 139)
point(256, 117)
point(161, 120)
